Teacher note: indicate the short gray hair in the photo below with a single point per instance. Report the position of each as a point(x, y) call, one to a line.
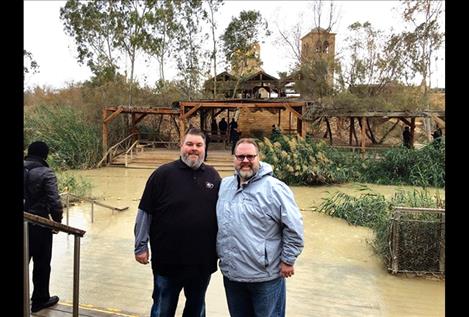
point(247, 141)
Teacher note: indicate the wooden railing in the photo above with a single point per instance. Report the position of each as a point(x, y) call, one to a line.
point(116, 149)
point(31, 219)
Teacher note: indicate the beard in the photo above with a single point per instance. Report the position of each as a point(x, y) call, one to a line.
point(245, 175)
point(194, 164)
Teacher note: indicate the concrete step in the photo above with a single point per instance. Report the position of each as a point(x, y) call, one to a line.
point(219, 168)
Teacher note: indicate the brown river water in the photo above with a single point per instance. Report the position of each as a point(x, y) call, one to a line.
point(336, 275)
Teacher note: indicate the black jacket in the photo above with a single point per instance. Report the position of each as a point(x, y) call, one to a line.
point(41, 192)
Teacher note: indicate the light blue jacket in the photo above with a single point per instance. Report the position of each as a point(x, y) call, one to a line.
point(259, 225)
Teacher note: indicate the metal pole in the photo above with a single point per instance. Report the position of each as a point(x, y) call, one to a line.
point(92, 211)
point(26, 311)
point(76, 275)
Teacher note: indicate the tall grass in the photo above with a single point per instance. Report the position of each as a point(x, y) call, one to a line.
point(299, 161)
point(74, 141)
point(419, 240)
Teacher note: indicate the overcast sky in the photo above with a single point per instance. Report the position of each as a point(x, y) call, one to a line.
point(55, 52)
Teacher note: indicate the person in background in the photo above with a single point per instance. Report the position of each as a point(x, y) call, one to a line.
point(223, 126)
point(214, 127)
point(41, 197)
point(233, 125)
point(207, 142)
point(260, 235)
point(406, 138)
point(235, 134)
point(177, 216)
point(437, 134)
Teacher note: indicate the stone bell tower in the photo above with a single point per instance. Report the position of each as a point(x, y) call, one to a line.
point(319, 43)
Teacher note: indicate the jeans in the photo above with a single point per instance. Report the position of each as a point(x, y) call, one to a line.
point(166, 291)
point(260, 299)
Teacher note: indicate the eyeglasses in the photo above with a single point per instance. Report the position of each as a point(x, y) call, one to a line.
point(242, 157)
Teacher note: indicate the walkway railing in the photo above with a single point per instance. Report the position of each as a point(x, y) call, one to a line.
point(117, 149)
point(78, 233)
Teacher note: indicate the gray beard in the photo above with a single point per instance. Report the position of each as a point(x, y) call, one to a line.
point(192, 164)
point(246, 175)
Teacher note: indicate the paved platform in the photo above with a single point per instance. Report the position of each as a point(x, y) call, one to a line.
point(66, 310)
point(337, 275)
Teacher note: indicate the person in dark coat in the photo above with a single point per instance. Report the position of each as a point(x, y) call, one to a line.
point(437, 134)
point(214, 127)
point(234, 138)
point(223, 126)
point(41, 197)
point(406, 137)
point(233, 125)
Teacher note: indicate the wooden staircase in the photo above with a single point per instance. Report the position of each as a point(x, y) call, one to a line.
point(220, 159)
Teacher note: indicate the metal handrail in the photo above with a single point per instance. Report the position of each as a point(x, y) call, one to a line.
point(78, 233)
point(92, 201)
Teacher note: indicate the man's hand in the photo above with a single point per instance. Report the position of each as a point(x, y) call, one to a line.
point(142, 257)
point(286, 270)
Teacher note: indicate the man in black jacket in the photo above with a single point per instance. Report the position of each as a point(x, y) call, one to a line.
point(41, 197)
point(177, 216)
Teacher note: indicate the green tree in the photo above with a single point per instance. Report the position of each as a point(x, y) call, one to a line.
point(424, 39)
point(92, 25)
point(213, 6)
point(189, 40)
point(30, 65)
point(161, 31)
point(239, 40)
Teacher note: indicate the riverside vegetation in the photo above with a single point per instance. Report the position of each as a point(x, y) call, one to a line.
point(75, 143)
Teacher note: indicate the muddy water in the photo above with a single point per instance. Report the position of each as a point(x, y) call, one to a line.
point(336, 275)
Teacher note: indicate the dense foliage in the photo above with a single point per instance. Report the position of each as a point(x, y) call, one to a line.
point(74, 141)
point(299, 161)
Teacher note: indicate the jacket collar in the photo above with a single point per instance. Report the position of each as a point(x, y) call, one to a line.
point(38, 159)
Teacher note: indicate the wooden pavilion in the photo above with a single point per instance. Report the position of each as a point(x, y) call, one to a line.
point(303, 112)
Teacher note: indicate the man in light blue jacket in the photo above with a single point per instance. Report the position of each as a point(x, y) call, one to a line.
point(260, 235)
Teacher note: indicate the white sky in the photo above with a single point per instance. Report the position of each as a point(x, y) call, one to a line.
point(55, 52)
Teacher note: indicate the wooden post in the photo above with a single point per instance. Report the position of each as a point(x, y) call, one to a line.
point(395, 241)
point(441, 261)
point(362, 134)
point(105, 131)
point(350, 134)
point(412, 131)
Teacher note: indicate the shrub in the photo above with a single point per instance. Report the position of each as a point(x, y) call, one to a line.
point(74, 141)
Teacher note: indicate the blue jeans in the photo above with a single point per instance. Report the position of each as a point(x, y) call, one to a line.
point(166, 291)
point(261, 299)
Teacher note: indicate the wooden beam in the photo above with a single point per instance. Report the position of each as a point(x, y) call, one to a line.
point(137, 120)
point(113, 115)
point(240, 104)
point(438, 121)
point(190, 112)
point(293, 111)
point(407, 122)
